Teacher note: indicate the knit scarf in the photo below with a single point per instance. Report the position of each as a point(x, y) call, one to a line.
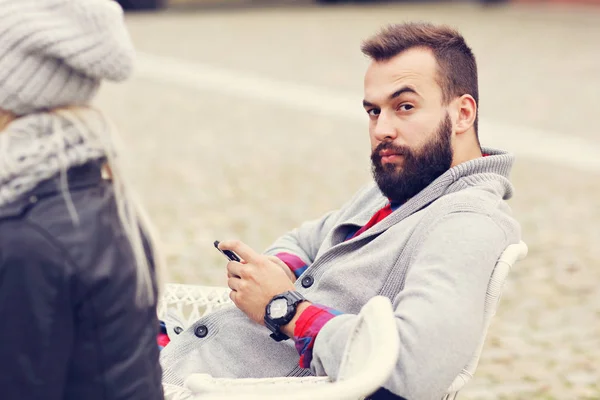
point(40, 146)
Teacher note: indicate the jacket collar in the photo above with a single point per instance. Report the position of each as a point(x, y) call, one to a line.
point(493, 170)
point(80, 177)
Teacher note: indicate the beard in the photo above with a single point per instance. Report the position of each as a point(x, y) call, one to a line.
point(418, 169)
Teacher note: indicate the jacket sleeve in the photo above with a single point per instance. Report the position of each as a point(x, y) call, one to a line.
point(299, 247)
point(36, 315)
point(439, 313)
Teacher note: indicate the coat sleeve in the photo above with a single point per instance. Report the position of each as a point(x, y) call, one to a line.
point(298, 248)
point(35, 314)
point(439, 313)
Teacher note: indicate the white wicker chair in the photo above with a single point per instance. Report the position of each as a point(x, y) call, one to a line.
point(371, 352)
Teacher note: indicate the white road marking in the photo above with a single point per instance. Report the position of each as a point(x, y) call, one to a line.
point(553, 147)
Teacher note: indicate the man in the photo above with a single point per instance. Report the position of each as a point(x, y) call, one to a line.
point(426, 234)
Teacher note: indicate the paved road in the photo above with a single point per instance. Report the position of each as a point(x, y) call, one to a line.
point(277, 145)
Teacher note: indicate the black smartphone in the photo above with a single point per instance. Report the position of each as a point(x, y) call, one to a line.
point(231, 256)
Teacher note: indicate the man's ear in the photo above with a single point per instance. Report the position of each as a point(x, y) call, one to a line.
point(467, 112)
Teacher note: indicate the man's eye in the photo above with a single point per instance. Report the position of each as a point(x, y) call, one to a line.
point(374, 112)
point(405, 107)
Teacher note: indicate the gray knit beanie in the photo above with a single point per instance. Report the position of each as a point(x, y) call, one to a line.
point(55, 53)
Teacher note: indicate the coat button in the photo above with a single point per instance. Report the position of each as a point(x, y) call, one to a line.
point(178, 330)
point(307, 281)
point(201, 331)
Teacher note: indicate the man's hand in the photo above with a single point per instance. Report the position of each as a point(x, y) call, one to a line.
point(284, 267)
point(255, 281)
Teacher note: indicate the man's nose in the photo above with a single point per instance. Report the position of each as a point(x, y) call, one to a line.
point(384, 128)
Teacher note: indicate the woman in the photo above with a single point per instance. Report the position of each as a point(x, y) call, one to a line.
point(78, 290)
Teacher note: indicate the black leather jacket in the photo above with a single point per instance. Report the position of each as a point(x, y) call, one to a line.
point(69, 325)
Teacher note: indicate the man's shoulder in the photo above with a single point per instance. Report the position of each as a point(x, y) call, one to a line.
point(477, 200)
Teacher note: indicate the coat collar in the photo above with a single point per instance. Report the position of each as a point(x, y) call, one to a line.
point(80, 177)
point(494, 170)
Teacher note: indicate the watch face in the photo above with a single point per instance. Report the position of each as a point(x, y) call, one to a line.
point(278, 308)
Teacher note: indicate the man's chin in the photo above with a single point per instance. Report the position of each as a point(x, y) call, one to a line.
point(392, 170)
point(392, 166)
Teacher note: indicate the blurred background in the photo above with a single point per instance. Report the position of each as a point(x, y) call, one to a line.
point(244, 119)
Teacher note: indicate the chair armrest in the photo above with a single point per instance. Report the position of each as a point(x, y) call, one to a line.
point(173, 392)
point(370, 357)
point(202, 383)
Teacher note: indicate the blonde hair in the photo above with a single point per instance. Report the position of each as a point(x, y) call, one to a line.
point(132, 214)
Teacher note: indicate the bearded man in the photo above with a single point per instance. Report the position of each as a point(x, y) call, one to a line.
point(426, 234)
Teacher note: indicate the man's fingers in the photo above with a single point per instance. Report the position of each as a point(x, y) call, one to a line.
point(240, 248)
point(231, 276)
point(234, 283)
point(234, 269)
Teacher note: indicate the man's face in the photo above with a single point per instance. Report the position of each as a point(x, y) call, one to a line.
point(410, 129)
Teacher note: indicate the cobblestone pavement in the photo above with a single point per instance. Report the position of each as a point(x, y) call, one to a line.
point(212, 165)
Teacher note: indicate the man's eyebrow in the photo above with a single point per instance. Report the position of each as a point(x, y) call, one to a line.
point(401, 91)
point(368, 104)
point(397, 93)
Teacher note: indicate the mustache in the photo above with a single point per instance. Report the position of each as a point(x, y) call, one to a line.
point(400, 150)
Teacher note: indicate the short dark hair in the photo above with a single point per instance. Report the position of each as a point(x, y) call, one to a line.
point(457, 69)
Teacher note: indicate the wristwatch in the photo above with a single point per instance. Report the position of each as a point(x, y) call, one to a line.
point(280, 311)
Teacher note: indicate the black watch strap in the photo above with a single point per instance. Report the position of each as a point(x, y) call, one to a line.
point(293, 298)
point(279, 336)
